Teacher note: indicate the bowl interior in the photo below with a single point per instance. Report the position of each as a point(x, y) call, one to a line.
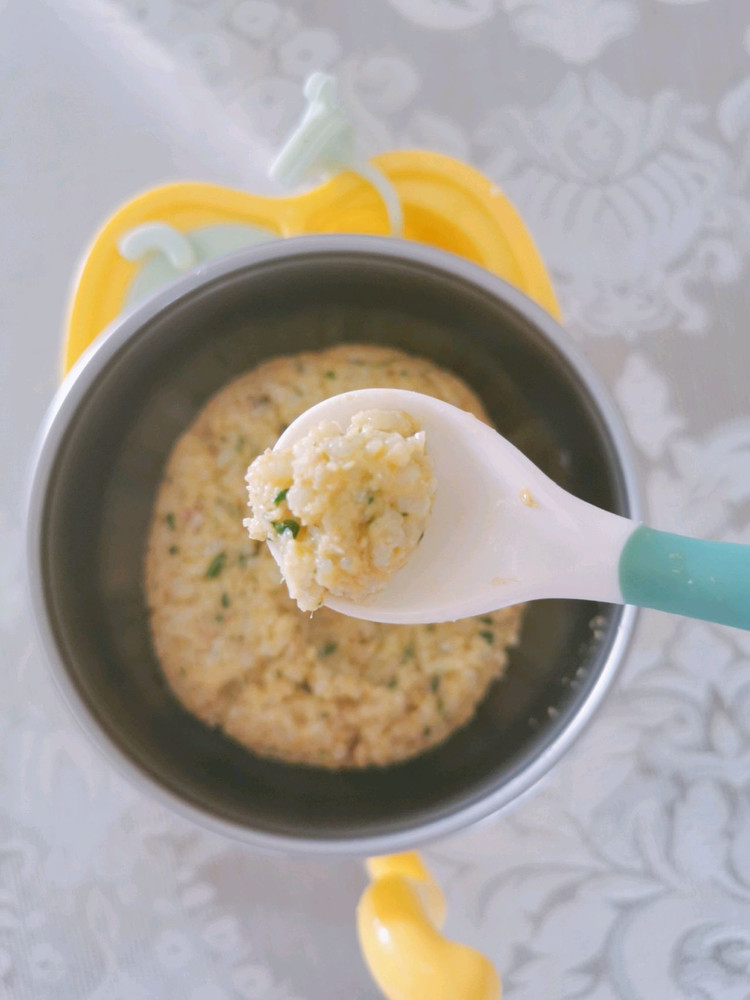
point(106, 472)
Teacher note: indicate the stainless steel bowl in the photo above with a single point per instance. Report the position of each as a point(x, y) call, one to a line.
point(100, 458)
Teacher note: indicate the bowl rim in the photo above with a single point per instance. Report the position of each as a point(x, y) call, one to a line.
point(73, 390)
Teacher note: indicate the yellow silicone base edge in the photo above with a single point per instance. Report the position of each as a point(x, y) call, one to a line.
point(398, 921)
point(446, 204)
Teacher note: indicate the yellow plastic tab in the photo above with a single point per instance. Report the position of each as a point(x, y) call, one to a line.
point(399, 918)
point(445, 203)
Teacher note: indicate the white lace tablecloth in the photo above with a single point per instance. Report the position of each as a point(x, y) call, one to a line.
point(621, 129)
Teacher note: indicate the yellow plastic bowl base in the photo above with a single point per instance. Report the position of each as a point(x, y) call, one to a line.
point(446, 204)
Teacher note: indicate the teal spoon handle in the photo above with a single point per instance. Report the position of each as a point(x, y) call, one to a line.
point(687, 576)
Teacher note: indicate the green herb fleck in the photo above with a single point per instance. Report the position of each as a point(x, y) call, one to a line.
point(404, 513)
point(280, 496)
point(220, 618)
point(393, 682)
point(430, 628)
point(288, 525)
point(489, 637)
point(170, 521)
point(328, 648)
point(370, 499)
point(225, 600)
point(369, 520)
point(435, 682)
point(173, 550)
point(420, 538)
point(408, 653)
point(330, 374)
point(240, 443)
point(404, 374)
point(216, 565)
point(441, 706)
point(427, 730)
point(486, 619)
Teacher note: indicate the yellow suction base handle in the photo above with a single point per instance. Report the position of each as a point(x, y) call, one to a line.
point(399, 920)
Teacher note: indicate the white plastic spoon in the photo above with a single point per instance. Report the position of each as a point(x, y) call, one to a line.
point(502, 532)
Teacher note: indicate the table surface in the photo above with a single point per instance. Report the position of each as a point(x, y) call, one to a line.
point(621, 129)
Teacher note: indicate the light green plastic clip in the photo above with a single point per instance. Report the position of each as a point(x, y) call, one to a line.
point(323, 144)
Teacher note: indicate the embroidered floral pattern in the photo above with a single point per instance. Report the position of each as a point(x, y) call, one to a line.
point(622, 132)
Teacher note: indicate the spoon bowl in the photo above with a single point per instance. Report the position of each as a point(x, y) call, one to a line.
point(501, 532)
